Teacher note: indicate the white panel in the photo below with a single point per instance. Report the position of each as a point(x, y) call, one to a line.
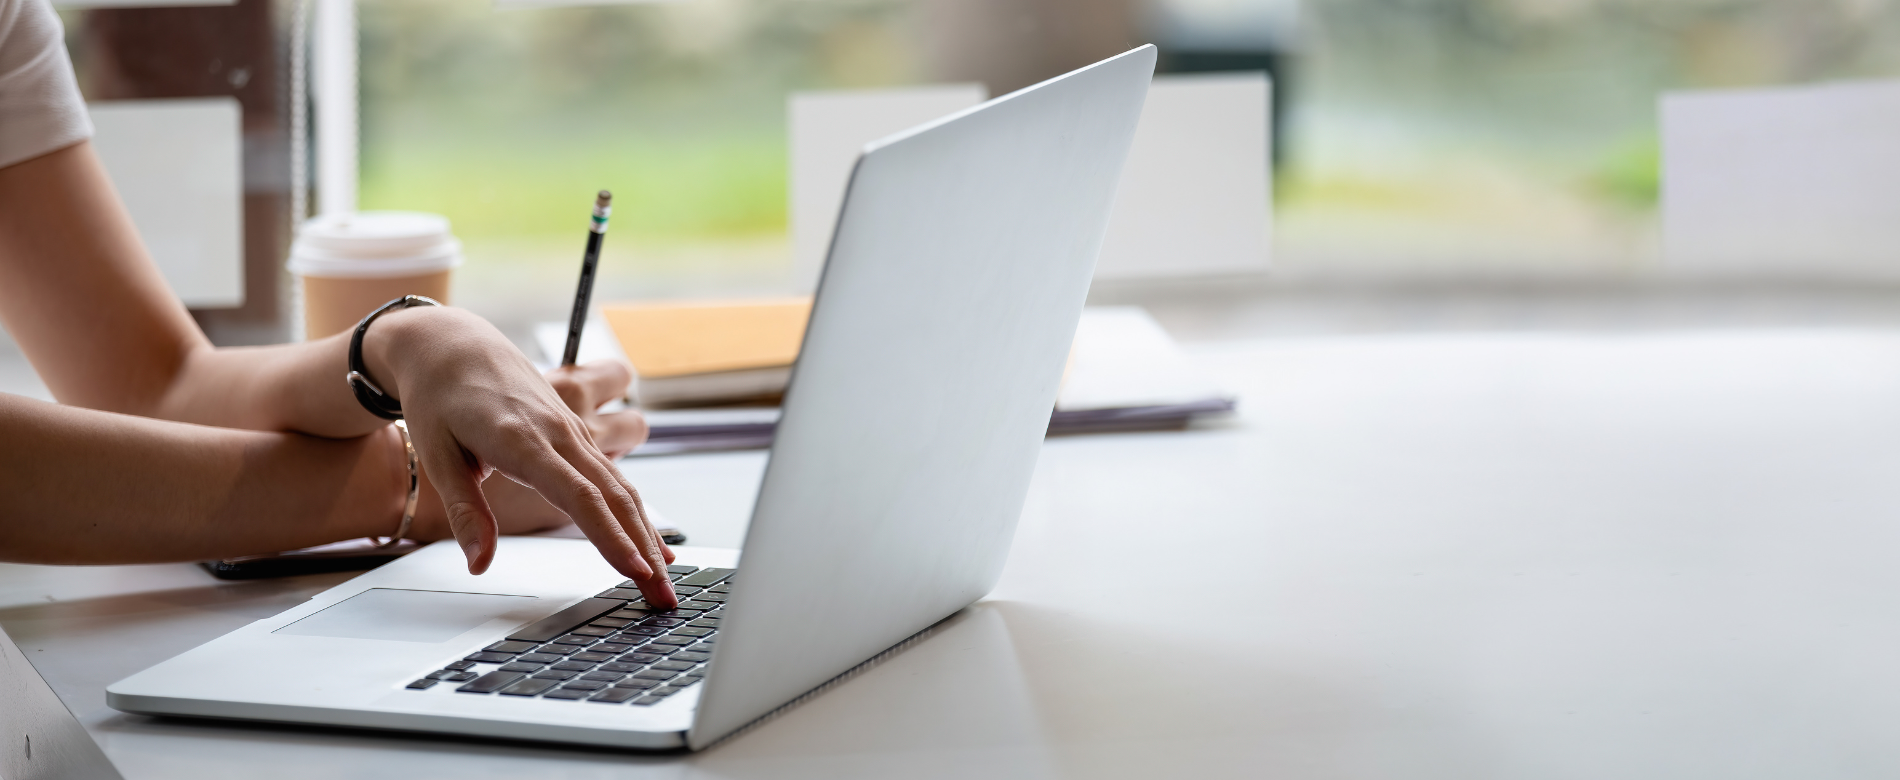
point(333, 96)
point(828, 130)
point(1194, 198)
point(1794, 179)
point(569, 3)
point(178, 165)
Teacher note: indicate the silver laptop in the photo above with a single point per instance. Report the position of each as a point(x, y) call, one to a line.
point(910, 430)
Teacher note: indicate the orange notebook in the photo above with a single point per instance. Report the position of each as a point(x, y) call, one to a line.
point(678, 338)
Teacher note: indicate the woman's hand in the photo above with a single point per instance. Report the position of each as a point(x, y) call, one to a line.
point(589, 386)
point(475, 405)
point(518, 509)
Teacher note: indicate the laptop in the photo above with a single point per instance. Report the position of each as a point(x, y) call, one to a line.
point(910, 429)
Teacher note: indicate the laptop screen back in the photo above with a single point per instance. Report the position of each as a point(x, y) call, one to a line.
point(918, 405)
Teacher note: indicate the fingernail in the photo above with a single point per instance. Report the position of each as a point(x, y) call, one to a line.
point(472, 549)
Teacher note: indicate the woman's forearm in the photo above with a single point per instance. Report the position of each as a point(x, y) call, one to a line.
point(82, 486)
point(283, 387)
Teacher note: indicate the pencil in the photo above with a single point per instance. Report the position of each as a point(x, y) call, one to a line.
point(603, 206)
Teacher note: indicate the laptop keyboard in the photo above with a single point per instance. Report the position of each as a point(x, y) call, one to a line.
point(610, 649)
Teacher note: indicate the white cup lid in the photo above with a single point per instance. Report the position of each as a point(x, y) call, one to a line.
point(374, 244)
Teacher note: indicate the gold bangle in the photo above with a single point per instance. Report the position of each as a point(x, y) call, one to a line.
point(415, 482)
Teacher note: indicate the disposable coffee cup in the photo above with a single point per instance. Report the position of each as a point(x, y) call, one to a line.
point(352, 263)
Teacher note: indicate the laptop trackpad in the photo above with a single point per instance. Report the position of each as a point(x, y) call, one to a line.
point(409, 615)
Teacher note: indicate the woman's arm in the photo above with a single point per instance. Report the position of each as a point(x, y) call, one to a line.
point(84, 486)
point(79, 293)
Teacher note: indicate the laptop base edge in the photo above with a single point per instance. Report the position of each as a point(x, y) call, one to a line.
point(388, 722)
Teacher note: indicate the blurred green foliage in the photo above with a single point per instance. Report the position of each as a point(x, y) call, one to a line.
point(507, 120)
point(1632, 172)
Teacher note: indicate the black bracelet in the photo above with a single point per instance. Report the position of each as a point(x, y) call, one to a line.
point(367, 393)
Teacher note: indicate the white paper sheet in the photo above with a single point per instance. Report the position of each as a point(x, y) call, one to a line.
point(1122, 358)
point(178, 166)
point(1195, 197)
point(828, 130)
point(1799, 179)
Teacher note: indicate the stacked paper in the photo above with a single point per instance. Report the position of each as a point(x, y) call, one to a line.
point(1124, 374)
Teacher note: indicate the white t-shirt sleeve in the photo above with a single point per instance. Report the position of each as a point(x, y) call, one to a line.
point(40, 107)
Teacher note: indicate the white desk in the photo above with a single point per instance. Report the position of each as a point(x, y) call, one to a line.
point(1436, 556)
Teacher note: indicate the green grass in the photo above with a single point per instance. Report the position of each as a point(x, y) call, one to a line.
point(665, 188)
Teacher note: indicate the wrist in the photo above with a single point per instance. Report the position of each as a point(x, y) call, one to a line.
point(393, 342)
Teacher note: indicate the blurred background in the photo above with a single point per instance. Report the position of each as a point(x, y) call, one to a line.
point(1437, 161)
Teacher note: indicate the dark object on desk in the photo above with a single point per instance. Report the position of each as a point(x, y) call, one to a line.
point(344, 556)
point(752, 429)
point(353, 555)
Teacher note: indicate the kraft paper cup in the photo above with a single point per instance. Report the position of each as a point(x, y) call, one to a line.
point(352, 263)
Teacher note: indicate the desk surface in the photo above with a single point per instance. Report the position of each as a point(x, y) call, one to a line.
point(1495, 556)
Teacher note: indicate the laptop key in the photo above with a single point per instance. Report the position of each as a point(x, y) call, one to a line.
point(614, 695)
point(421, 684)
point(491, 682)
point(624, 594)
point(537, 658)
point(689, 655)
point(590, 657)
point(459, 665)
point(673, 640)
point(682, 682)
point(697, 606)
point(649, 700)
point(705, 622)
point(692, 631)
point(558, 623)
point(604, 676)
point(524, 668)
point(585, 685)
point(654, 674)
point(490, 658)
point(674, 666)
point(657, 620)
point(665, 690)
point(681, 569)
point(641, 659)
point(610, 622)
point(575, 666)
point(610, 648)
point(509, 646)
point(630, 614)
point(724, 587)
point(639, 683)
point(720, 597)
point(703, 647)
point(529, 687)
point(644, 630)
point(451, 675)
point(567, 695)
point(621, 667)
point(556, 674)
point(574, 639)
point(559, 649)
point(705, 577)
point(685, 590)
point(593, 631)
